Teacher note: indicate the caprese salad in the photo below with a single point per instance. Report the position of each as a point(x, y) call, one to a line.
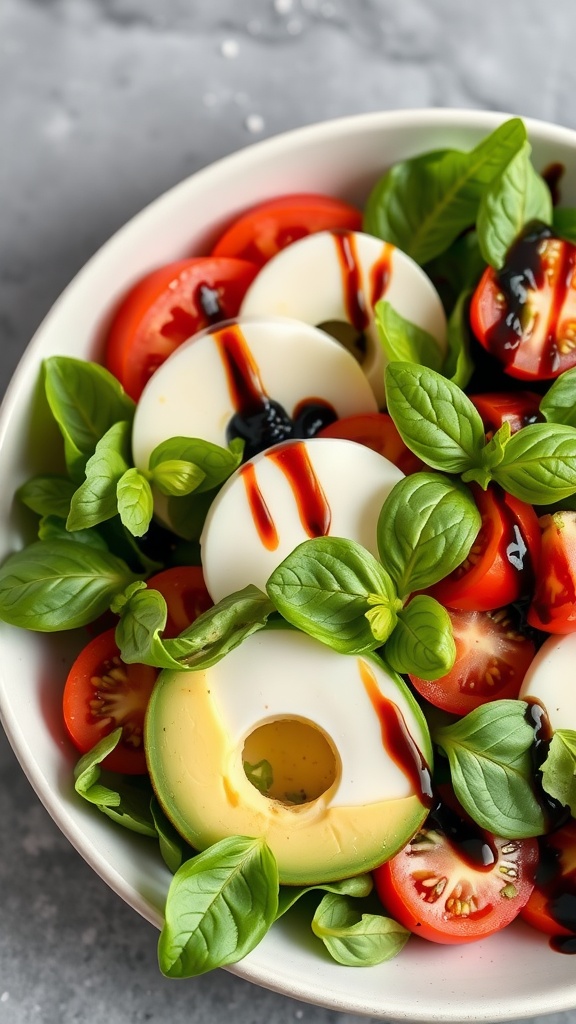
point(317, 513)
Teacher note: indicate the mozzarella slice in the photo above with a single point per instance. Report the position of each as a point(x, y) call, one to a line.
point(550, 680)
point(197, 391)
point(293, 491)
point(340, 276)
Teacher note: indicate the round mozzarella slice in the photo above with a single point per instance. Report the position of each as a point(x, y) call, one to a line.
point(209, 378)
point(339, 277)
point(550, 681)
point(319, 753)
point(293, 491)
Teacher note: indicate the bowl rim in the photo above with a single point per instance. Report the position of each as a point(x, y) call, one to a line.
point(249, 968)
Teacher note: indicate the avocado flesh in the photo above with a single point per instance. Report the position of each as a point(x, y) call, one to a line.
point(197, 773)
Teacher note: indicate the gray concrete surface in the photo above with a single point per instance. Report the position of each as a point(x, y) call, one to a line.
point(103, 105)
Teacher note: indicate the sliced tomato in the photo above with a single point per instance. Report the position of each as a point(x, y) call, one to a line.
point(376, 430)
point(166, 308)
point(102, 693)
point(501, 564)
point(525, 314)
point(437, 890)
point(184, 591)
point(492, 658)
point(552, 905)
point(265, 229)
point(553, 607)
point(518, 408)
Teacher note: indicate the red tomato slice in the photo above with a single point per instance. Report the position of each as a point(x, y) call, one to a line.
point(553, 607)
point(166, 308)
point(492, 658)
point(102, 693)
point(376, 430)
point(264, 230)
point(501, 564)
point(439, 893)
point(184, 591)
point(525, 314)
point(518, 408)
point(552, 906)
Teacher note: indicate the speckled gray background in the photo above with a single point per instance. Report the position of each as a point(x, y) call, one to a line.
point(103, 105)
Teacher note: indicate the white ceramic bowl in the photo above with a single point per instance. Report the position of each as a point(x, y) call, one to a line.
point(513, 974)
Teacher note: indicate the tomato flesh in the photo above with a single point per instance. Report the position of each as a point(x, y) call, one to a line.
point(440, 893)
point(500, 566)
point(492, 658)
point(166, 308)
point(518, 408)
point(552, 905)
point(102, 693)
point(553, 607)
point(269, 227)
point(525, 314)
point(378, 431)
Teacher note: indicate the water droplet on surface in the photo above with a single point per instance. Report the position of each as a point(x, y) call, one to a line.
point(230, 48)
point(254, 123)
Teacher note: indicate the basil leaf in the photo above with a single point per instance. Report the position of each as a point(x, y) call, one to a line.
point(424, 203)
point(187, 514)
point(426, 528)
point(220, 629)
point(489, 751)
point(559, 403)
point(47, 495)
point(143, 619)
point(220, 905)
point(353, 939)
point(173, 848)
point(59, 584)
point(456, 270)
point(95, 500)
point(559, 769)
point(216, 463)
point(539, 463)
point(135, 502)
point(434, 418)
point(422, 643)
point(85, 400)
point(54, 528)
point(176, 477)
point(402, 340)
point(516, 198)
point(323, 587)
point(564, 222)
point(357, 886)
point(127, 803)
point(458, 365)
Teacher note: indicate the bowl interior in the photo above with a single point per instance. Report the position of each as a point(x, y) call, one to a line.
point(510, 975)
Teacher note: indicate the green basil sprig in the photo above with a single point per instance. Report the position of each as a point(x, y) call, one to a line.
point(517, 197)
point(424, 203)
point(559, 769)
point(59, 584)
point(559, 403)
point(458, 364)
point(127, 802)
point(205, 642)
point(96, 500)
point(426, 529)
point(336, 591)
point(489, 752)
point(173, 848)
point(422, 643)
point(358, 886)
point(85, 400)
point(354, 939)
point(405, 341)
point(47, 495)
point(539, 463)
point(220, 905)
point(209, 464)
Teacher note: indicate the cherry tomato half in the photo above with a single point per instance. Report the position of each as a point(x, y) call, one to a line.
point(553, 607)
point(525, 314)
point(376, 430)
point(439, 893)
point(501, 564)
point(492, 658)
point(264, 230)
point(184, 591)
point(101, 693)
point(518, 408)
point(552, 906)
point(166, 308)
